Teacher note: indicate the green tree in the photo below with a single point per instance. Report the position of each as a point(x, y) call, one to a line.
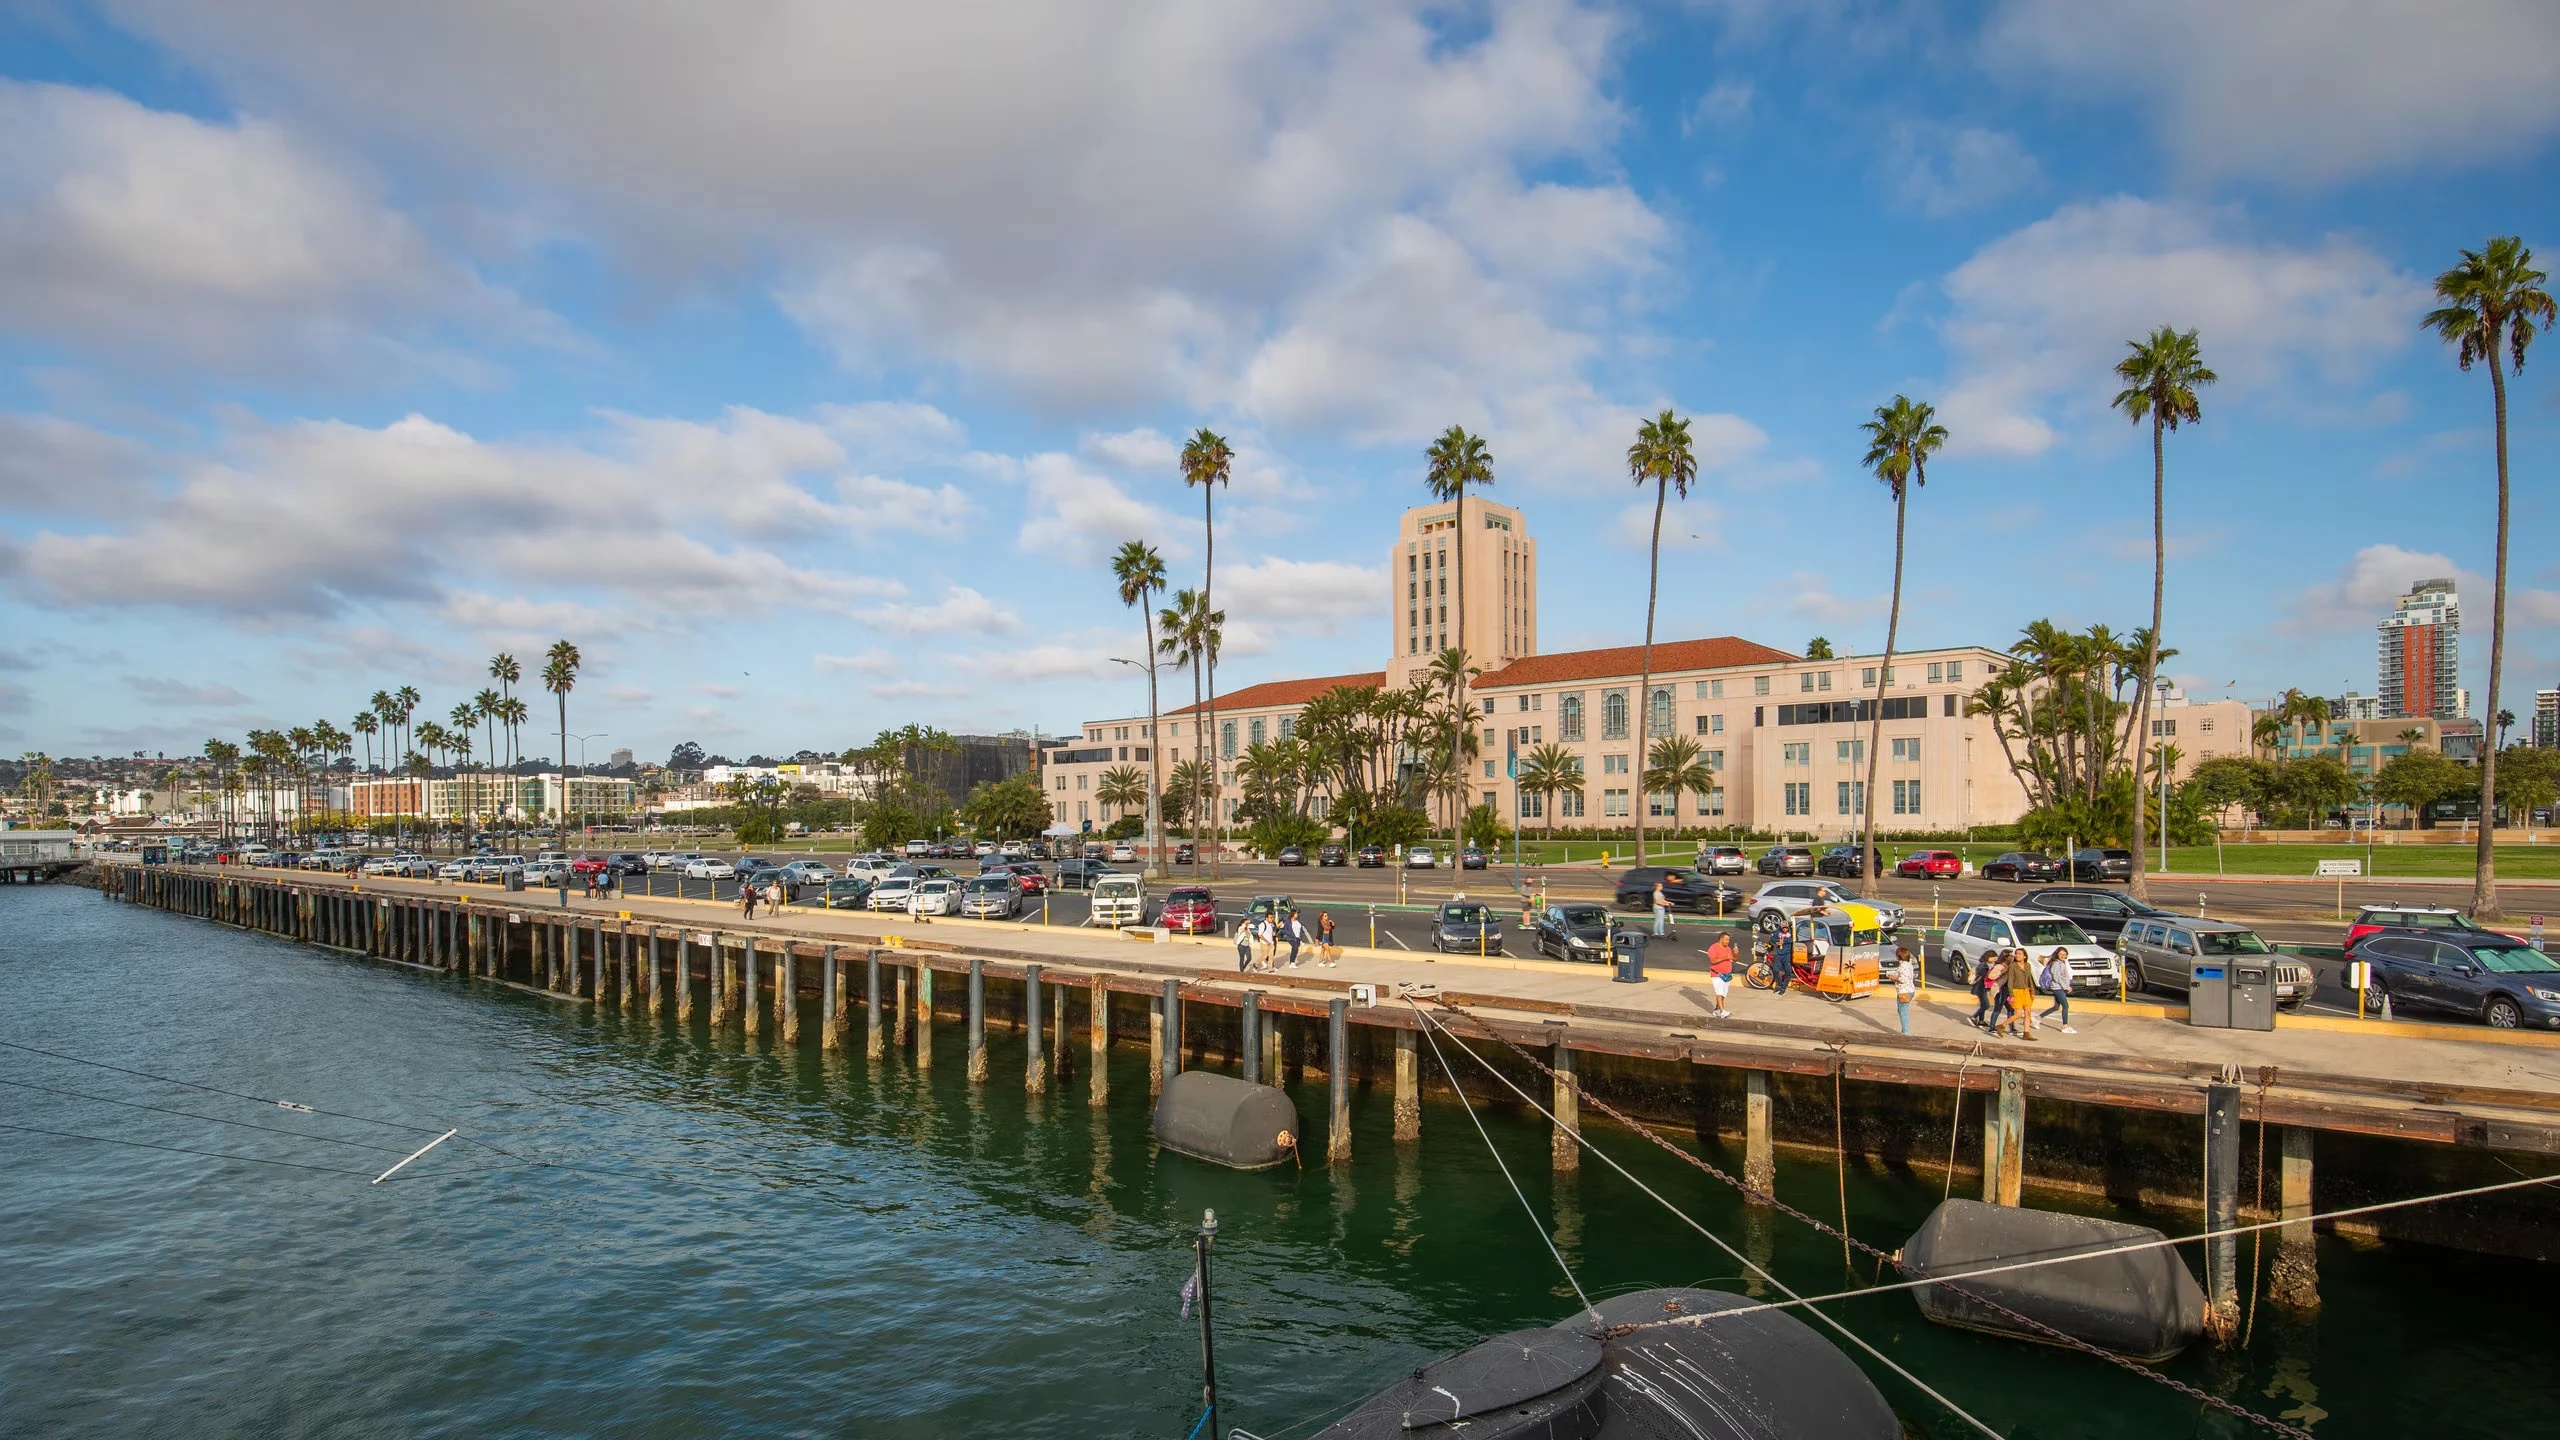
point(1817, 648)
point(1123, 787)
point(1139, 570)
point(1011, 809)
point(1546, 771)
point(1675, 766)
point(2528, 779)
point(1458, 460)
point(2314, 785)
point(2161, 378)
point(1663, 457)
point(1483, 828)
point(1206, 462)
point(2227, 780)
point(1450, 673)
point(2493, 300)
point(1900, 440)
point(2418, 779)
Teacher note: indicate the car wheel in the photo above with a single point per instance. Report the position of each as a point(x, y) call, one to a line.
point(2134, 980)
point(2503, 1014)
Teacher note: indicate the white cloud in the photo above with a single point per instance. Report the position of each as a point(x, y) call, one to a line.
point(1143, 451)
point(1726, 105)
point(2038, 318)
point(1059, 662)
point(15, 699)
point(1080, 515)
point(960, 608)
point(1317, 595)
point(48, 465)
point(1809, 597)
point(211, 696)
point(2307, 91)
point(2365, 589)
point(1941, 170)
point(919, 690)
point(869, 663)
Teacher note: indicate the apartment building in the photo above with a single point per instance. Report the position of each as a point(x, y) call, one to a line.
point(2419, 651)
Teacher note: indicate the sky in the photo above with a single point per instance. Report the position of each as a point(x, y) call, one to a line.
point(803, 361)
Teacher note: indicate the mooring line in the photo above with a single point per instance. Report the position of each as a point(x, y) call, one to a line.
point(182, 1150)
point(192, 1115)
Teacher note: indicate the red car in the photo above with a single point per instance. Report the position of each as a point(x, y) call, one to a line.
point(1931, 864)
point(1028, 879)
point(1190, 910)
point(586, 868)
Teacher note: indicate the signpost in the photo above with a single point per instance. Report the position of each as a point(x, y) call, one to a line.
point(2359, 976)
point(2340, 871)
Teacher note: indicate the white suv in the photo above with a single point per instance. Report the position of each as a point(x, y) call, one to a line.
point(1977, 930)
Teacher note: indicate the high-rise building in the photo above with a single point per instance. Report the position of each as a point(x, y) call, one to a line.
point(2352, 706)
point(1501, 564)
point(2546, 719)
point(2421, 653)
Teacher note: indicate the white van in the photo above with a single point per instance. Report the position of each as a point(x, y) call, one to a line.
point(1118, 900)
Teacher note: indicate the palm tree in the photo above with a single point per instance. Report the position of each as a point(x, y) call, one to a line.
point(513, 715)
point(1190, 635)
point(1900, 441)
point(1548, 769)
point(1449, 673)
point(1662, 456)
point(504, 669)
point(1458, 460)
point(1206, 461)
point(560, 676)
point(2493, 299)
point(1140, 571)
point(405, 702)
point(2161, 377)
point(1676, 765)
point(2413, 737)
point(484, 708)
point(2506, 722)
point(1123, 787)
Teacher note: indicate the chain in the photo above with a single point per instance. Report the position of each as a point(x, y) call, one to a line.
point(1759, 1196)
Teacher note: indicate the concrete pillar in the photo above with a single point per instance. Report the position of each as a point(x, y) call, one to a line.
point(2295, 1281)
point(1759, 1143)
point(1098, 1092)
point(1564, 1145)
point(1171, 1063)
point(830, 1002)
point(872, 1048)
point(749, 1000)
point(2222, 1211)
point(1249, 1037)
point(1337, 1066)
point(924, 1016)
point(1271, 1032)
point(1035, 1063)
point(1408, 1085)
point(977, 1069)
point(905, 1008)
point(597, 970)
point(786, 991)
point(2004, 1139)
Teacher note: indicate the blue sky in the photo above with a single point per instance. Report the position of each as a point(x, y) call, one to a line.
point(802, 362)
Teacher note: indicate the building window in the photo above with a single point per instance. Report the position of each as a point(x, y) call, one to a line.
point(2163, 728)
point(1825, 678)
point(1759, 684)
point(1532, 807)
point(1799, 799)
point(1906, 749)
point(1084, 810)
point(1702, 723)
point(1253, 732)
point(1715, 724)
point(1853, 797)
point(1569, 721)
point(1613, 764)
point(1805, 681)
point(1288, 726)
point(1062, 780)
point(1569, 805)
point(2204, 726)
point(1950, 710)
point(1955, 672)
point(1852, 752)
point(1488, 704)
point(1613, 715)
point(1701, 693)
point(1715, 689)
point(1936, 674)
point(1659, 722)
point(1080, 782)
point(1906, 797)
point(1538, 703)
point(1226, 739)
point(1615, 802)
point(1796, 754)
point(1488, 769)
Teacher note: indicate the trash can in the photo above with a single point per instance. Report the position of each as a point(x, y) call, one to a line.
point(515, 877)
point(1630, 957)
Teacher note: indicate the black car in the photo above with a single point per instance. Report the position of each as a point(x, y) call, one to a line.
point(2471, 973)
point(1333, 855)
point(2022, 866)
point(2101, 865)
point(1842, 861)
point(2103, 913)
point(1373, 857)
point(1186, 854)
point(1575, 932)
point(1471, 858)
point(1685, 889)
point(1080, 874)
point(850, 894)
point(1292, 855)
point(624, 862)
point(1786, 860)
point(1466, 927)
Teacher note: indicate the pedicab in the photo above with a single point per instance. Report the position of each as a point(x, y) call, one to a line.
point(1846, 965)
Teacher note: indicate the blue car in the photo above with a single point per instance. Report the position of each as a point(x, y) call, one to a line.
point(1466, 927)
point(2495, 979)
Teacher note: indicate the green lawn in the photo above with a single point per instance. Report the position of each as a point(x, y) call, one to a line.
point(2515, 862)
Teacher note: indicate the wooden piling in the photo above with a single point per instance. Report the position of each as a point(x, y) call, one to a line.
point(1155, 1043)
point(899, 1018)
point(1759, 1150)
point(872, 1048)
point(830, 1002)
point(748, 1002)
point(1035, 1063)
point(2004, 1139)
point(1098, 1091)
point(1408, 1085)
point(2222, 1211)
point(786, 991)
point(623, 976)
point(977, 1067)
point(924, 1016)
point(720, 987)
point(1058, 1032)
point(1337, 1065)
point(2295, 1281)
point(1170, 1064)
point(684, 978)
point(1565, 1145)
point(657, 980)
point(1249, 1037)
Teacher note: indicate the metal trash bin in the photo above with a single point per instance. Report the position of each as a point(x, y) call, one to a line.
point(2253, 995)
point(1629, 961)
point(2209, 997)
point(515, 877)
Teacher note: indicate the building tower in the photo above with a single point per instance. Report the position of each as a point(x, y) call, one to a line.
point(2546, 719)
point(1502, 587)
point(2421, 654)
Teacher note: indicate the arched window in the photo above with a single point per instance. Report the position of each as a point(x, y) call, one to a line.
point(1613, 715)
point(1658, 719)
point(1569, 727)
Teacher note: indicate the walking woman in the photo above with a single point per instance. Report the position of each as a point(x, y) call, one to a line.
point(1995, 990)
point(1983, 988)
point(2022, 994)
point(2057, 983)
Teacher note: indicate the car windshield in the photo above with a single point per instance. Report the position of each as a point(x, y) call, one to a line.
point(2514, 959)
point(2232, 942)
point(991, 885)
point(2416, 919)
point(1188, 897)
point(2049, 932)
point(1583, 915)
point(1463, 915)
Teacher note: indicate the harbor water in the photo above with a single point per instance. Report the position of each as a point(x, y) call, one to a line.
point(647, 1230)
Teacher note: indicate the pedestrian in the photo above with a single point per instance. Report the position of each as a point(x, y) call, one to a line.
point(2022, 994)
point(1327, 952)
point(1266, 943)
point(777, 895)
point(747, 898)
point(1906, 982)
point(1297, 933)
point(1782, 962)
point(2057, 983)
point(1720, 974)
point(1980, 980)
point(1995, 990)
point(1661, 909)
point(1244, 946)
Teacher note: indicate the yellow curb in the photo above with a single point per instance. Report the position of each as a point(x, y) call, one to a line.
point(2420, 1030)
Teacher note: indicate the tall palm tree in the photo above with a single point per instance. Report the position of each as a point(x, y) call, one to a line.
point(1676, 766)
point(1206, 462)
point(513, 714)
point(405, 701)
point(2161, 377)
point(1191, 634)
point(1900, 440)
point(484, 708)
point(504, 669)
point(1546, 770)
point(1449, 673)
point(1140, 572)
point(2493, 300)
point(1458, 460)
point(1662, 457)
point(560, 676)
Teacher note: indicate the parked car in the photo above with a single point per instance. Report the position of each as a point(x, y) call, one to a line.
point(1471, 858)
point(1419, 857)
point(753, 871)
point(1186, 853)
point(934, 897)
point(1783, 901)
point(851, 893)
point(869, 867)
point(1685, 889)
point(1124, 852)
point(539, 873)
point(807, 872)
point(1977, 930)
point(2472, 973)
point(982, 849)
point(1118, 899)
point(2162, 953)
point(2022, 866)
point(1291, 855)
point(1333, 855)
point(1842, 860)
point(1575, 932)
point(1786, 860)
point(1930, 865)
point(709, 867)
point(919, 849)
point(1466, 927)
point(2103, 913)
point(1190, 910)
point(1373, 857)
point(2101, 865)
point(1081, 874)
point(2410, 918)
point(456, 871)
point(586, 866)
point(991, 897)
point(625, 862)
point(1724, 860)
point(1275, 906)
point(1028, 879)
point(892, 892)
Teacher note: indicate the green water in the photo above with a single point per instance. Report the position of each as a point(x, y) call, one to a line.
point(747, 1243)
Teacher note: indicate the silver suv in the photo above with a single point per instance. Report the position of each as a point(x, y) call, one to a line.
point(1786, 899)
point(2163, 953)
point(1977, 930)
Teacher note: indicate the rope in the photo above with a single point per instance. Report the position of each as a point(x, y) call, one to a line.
point(2257, 1241)
point(1719, 1241)
point(1840, 1152)
point(180, 1150)
point(1469, 1106)
point(1955, 1126)
point(192, 1115)
point(2056, 1336)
